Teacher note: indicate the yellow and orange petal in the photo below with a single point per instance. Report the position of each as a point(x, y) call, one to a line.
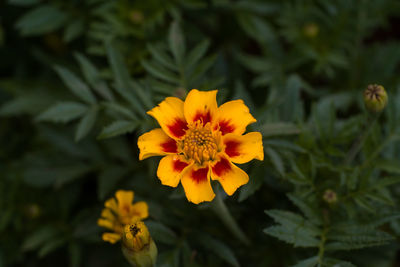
point(140, 210)
point(233, 117)
point(197, 186)
point(200, 106)
point(170, 169)
point(244, 148)
point(111, 237)
point(170, 116)
point(156, 143)
point(120, 211)
point(228, 175)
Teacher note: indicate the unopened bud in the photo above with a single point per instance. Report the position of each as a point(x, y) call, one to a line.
point(330, 196)
point(137, 245)
point(375, 98)
point(136, 16)
point(311, 30)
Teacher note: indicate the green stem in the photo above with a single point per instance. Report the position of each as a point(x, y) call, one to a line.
point(360, 142)
point(321, 248)
point(219, 207)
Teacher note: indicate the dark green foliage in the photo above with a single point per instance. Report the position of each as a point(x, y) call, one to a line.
point(77, 78)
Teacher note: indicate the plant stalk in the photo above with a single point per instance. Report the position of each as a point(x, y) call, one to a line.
point(219, 207)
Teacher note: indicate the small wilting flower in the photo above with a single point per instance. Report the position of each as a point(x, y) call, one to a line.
point(137, 245)
point(375, 98)
point(330, 196)
point(201, 141)
point(120, 211)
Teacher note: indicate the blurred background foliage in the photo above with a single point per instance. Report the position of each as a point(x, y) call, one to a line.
point(78, 76)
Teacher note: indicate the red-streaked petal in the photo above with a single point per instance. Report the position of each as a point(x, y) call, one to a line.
point(196, 182)
point(230, 176)
point(233, 117)
point(170, 169)
point(243, 148)
point(156, 143)
point(200, 105)
point(169, 114)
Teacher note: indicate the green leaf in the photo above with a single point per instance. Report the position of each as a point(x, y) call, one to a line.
point(117, 128)
point(329, 262)
point(51, 246)
point(86, 123)
point(276, 160)
point(122, 78)
point(306, 209)
point(92, 76)
point(37, 238)
point(115, 107)
point(279, 128)
point(42, 176)
point(162, 57)
point(310, 262)
point(76, 85)
point(108, 178)
point(255, 182)
point(75, 254)
point(160, 73)
point(24, 2)
point(219, 248)
point(161, 233)
point(197, 53)
point(363, 203)
point(298, 237)
point(291, 220)
point(63, 112)
point(43, 19)
point(73, 30)
point(177, 42)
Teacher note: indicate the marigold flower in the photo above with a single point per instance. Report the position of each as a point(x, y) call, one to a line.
point(201, 141)
point(120, 211)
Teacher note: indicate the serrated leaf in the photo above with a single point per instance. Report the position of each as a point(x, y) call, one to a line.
point(63, 112)
point(279, 128)
point(160, 73)
point(161, 233)
point(307, 210)
point(117, 128)
point(363, 203)
point(197, 53)
point(40, 20)
point(108, 178)
point(176, 42)
point(162, 57)
point(310, 262)
point(50, 247)
point(115, 107)
point(276, 160)
point(122, 78)
point(92, 76)
point(24, 2)
point(291, 220)
point(76, 85)
point(329, 262)
point(86, 123)
point(253, 185)
point(73, 30)
point(219, 248)
point(37, 238)
point(297, 238)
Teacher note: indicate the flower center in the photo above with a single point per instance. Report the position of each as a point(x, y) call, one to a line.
point(199, 143)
